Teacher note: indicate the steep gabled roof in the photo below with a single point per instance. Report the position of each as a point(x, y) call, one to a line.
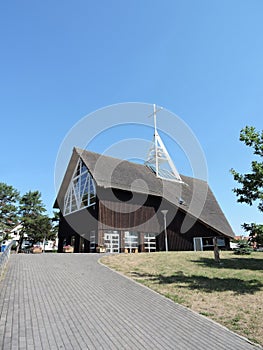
point(193, 196)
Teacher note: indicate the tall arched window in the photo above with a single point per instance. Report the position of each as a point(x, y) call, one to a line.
point(81, 192)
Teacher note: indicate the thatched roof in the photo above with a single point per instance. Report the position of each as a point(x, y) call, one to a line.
point(194, 196)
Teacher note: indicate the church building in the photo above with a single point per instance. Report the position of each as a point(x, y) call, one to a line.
point(112, 205)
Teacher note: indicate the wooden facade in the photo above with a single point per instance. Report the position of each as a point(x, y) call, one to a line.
point(109, 215)
point(124, 221)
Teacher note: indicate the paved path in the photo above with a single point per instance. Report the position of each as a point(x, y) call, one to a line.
point(70, 301)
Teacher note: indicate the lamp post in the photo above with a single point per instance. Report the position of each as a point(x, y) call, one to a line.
point(44, 241)
point(164, 212)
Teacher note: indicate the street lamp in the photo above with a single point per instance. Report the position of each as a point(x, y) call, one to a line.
point(44, 243)
point(164, 212)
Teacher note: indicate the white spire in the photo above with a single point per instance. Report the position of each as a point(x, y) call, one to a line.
point(158, 158)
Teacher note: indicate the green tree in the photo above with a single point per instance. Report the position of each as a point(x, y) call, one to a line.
point(35, 223)
point(251, 190)
point(9, 197)
point(255, 232)
point(41, 229)
point(55, 224)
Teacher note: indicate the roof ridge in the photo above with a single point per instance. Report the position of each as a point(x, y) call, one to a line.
point(144, 166)
point(80, 151)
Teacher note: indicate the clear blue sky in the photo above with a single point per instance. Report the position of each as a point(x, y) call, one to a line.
point(61, 60)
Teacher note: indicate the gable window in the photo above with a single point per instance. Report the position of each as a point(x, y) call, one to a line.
point(81, 192)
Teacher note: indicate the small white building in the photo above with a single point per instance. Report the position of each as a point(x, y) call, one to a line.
point(48, 246)
point(15, 235)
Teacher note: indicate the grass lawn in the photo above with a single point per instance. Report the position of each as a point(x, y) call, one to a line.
point(230, 293)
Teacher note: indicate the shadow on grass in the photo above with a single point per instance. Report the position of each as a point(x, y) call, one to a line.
point(235, 263)
point(204, 284)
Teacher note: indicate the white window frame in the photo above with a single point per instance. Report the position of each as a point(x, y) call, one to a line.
point(149, 240)
point(131, 240)
point(92, 245)
point(112, 241)
point(200, 239)
point(79, 190)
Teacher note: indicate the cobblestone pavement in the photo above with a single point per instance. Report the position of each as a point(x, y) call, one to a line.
point(70, 301)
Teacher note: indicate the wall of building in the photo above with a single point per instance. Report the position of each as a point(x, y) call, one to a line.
point(123, 211)
point(76, 227)
point(178, 241)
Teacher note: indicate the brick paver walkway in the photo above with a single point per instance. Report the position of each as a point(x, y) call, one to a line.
point(70, 301)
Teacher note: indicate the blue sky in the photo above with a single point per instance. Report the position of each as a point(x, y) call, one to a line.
point(61, 60)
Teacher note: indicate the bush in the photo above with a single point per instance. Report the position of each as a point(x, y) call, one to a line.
point(243, 248)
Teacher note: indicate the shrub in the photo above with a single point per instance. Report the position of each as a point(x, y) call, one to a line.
point(243, 248)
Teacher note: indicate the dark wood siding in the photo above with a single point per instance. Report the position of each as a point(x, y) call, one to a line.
point(77, 225)
point(178, 241)
point(127, 217)
point(122, 211)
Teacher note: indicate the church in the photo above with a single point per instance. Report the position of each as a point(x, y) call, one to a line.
point(113, 205)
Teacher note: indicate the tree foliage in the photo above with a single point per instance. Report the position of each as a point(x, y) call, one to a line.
point(55, 224)
point(30, 212)
point(251, 189)
point(34, 222)
point(255, 232)
point(39, 229)
point(243, 247)
point(9, 197)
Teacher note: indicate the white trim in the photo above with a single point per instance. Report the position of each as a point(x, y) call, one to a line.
point(158, 158)
point(195, 243)
point(149, 240)
point(79, 193)
point(92, 240)
point(112, 241)
point(131, 240)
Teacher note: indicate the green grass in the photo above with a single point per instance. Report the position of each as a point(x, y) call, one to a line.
point(230, 293)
